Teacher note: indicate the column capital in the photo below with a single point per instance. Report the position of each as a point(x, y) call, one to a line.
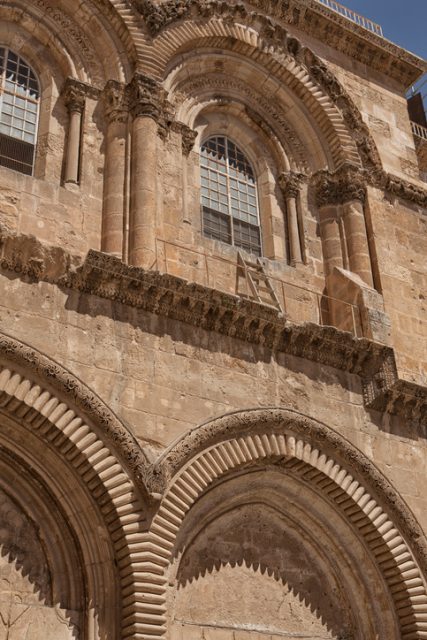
point(290, 183)
point(340, 187)
point(146, 97)
point(188, 136)
point(75, 93)
point(115, 99)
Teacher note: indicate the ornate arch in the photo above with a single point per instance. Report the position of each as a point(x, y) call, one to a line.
point(101, 456)
point(321, 458)
point(175, 29)
point(91, 45)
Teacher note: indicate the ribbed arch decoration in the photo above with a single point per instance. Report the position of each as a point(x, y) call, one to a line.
point(262, 437)
point(336, 117)
point(102, 456)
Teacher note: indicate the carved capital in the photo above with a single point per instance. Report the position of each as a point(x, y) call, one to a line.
point(75, 93)
point(290, 183)
point(146, 97)
point(188, 139)
point(345, 185)
point(116, 101)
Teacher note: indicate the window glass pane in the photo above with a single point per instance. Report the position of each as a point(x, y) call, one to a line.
point(228, 188)
point(18, 112)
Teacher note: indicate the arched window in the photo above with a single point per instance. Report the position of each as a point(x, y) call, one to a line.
point(19, 107)
point(229, 195)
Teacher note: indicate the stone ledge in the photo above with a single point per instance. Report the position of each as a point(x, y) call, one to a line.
point(165, 295)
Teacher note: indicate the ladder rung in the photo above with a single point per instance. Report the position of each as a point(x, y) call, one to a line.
point(255, 273)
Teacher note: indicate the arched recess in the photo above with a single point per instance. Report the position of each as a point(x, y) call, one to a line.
point(255, 37)
point(60, 441)
point(318, 463)
point(90, 45)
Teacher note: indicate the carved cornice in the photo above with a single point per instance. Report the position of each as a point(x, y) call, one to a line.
point(309, 16)
point(116, 102)
point(212, 310)
point(405, 190)
point(345, 185)
point(75, 93)
point(159, 16)
point(385, 392)
point(290, 183)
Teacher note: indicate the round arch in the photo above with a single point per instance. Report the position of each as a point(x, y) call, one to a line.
point(88, 464)
point(320, 458)
point(254, 37)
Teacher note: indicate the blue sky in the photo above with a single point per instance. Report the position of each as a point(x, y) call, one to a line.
point(403, 21)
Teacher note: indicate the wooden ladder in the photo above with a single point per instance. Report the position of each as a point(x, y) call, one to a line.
point(259, 285)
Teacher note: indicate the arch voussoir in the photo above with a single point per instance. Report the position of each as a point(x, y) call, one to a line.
point(304, 448)
point(56, 407)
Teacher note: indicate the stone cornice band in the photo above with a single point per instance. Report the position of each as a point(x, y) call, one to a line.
point(105, 276)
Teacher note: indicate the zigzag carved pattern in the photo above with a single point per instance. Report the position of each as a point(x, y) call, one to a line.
point(388, 547)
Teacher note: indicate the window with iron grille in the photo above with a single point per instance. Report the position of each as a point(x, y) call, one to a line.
point(229, 195)
point(19, 109)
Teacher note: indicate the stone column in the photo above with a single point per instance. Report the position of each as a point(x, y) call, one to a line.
point(359, 258)
point(331, 238)
point(290, 184)
point(146, 98)
point(117, 116)
point(74, 94)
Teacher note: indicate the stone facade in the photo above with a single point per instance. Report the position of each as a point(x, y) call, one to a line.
point(180, 459)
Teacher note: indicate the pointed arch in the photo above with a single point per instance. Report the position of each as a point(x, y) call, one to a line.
point(318, 457)
point(255, 37)
point(88, 463)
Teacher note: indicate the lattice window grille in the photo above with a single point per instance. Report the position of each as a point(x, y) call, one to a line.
point(19, 111)
point(229, 195)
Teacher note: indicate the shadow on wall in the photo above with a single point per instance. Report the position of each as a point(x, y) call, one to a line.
point(250, 569)
point(27, 606)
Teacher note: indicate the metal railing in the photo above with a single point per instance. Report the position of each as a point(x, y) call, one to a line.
point(353, 16)
point(299, 304)
point(419, 131)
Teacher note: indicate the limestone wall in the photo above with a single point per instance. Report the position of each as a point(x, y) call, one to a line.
point(163, 377)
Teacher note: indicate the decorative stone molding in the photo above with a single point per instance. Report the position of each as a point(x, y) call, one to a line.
point(116, 102)
point(271, 35)
point(405, 190)
point(326, 461)
point(75, 93)
point(261, 108)
point(189, 137)
point(345, 185)
point(308, 15)
point(290, 183)
point(106, 276)
point(70, 389)
point(60, 410)
point(145, 97)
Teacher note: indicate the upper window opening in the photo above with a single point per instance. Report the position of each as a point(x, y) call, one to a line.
point(229, 195)
point(19, 107)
